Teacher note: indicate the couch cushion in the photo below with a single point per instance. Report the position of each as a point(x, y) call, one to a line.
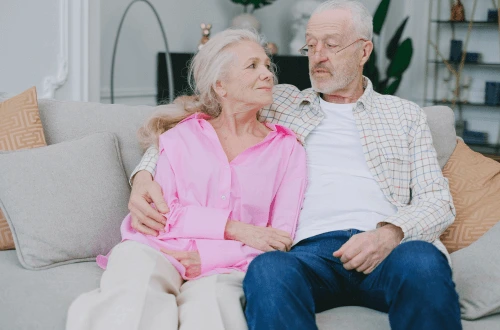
point(441, 120)
point(360, 318)
point(20, 128)
point(64, 120)
point(476, 272)
point(64, 202)
point(39, 300)
point(352, 318)
point(475, 187)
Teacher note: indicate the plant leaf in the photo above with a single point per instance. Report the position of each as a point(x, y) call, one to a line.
point(394, 43)
point(393, 87)
point(371, 71)
point(241, 2)
point(380, 15)
point(260, 3)
point(402, 59)
point(382, 85)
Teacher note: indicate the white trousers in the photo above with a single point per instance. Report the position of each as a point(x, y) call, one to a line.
point(141, 289)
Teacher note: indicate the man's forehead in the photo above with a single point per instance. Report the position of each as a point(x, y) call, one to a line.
point(329, 22)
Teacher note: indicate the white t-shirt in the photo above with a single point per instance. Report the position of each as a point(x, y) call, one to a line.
point(342, 193)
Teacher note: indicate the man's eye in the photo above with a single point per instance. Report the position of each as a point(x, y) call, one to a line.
point(251, 66)
point(268, 66)
point(331, 45)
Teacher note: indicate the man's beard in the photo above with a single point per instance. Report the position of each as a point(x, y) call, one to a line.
point(335, 82)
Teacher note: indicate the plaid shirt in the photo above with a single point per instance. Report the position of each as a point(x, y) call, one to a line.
point(398, 149)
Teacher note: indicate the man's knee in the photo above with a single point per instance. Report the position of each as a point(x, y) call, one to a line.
point(421, 260)
point(423, 271)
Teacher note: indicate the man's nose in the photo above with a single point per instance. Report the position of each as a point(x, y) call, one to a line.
point(317, 57)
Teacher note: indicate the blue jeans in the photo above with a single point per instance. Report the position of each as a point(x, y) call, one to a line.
point(413, 285)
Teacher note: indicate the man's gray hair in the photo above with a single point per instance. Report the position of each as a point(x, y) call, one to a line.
point(362, 20)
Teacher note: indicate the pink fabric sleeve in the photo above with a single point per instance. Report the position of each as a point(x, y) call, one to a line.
point(287, 203)
point(187, 221)
point(223, 253)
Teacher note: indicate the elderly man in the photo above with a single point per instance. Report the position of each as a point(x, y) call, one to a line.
point(376, 204)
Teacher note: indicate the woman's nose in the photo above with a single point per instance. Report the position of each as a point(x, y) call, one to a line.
point(266, 74)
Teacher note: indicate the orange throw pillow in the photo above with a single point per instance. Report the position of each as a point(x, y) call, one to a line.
point(20, 128)
point(475, 186)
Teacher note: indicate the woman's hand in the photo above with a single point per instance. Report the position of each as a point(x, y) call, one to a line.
point(261, 238)
point(189, 259)
point(145, 219)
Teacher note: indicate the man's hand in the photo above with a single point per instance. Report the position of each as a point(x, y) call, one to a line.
point(365, 251)
point(260, 238)
point(145, 219)
point(189, 259)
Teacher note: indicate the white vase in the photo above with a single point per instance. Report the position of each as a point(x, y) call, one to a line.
point(246, 21)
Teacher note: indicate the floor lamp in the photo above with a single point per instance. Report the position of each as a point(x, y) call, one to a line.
point(167, 53)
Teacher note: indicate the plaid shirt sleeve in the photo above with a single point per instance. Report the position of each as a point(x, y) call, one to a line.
point(431, 209)
point(148, 162)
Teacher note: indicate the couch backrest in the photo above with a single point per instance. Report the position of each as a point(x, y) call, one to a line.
point(441, 120)
point(64, 120)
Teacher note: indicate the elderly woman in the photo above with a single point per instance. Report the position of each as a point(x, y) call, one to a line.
point(227, 179)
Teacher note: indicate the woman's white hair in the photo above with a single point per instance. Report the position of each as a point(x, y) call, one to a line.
point(212, 63)
point(362, 20)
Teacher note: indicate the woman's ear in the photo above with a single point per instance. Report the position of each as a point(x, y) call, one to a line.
point(219, 89)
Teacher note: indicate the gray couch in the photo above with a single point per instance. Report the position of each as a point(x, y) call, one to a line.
point(39, 299)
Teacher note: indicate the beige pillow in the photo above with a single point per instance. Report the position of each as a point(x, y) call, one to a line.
point(475, 186)
point(20, 128)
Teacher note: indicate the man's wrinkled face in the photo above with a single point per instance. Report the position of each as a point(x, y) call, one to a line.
point(327, 33)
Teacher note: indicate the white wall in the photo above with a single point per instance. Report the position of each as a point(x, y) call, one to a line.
point(49, 44)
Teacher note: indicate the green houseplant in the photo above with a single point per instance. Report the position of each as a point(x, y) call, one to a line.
point(398, 53)
point(255, 4)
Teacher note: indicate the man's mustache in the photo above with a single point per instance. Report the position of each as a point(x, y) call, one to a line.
point(320, 67)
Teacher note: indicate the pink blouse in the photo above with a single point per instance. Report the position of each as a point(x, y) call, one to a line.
point(262, 186)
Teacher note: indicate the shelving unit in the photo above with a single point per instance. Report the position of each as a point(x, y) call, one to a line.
point(436, 91)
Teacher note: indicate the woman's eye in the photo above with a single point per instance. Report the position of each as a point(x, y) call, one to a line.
point(268, 67)
point(331, 45)
point(252, 66)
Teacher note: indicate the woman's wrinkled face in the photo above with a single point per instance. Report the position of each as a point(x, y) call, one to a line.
point(249, 79)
